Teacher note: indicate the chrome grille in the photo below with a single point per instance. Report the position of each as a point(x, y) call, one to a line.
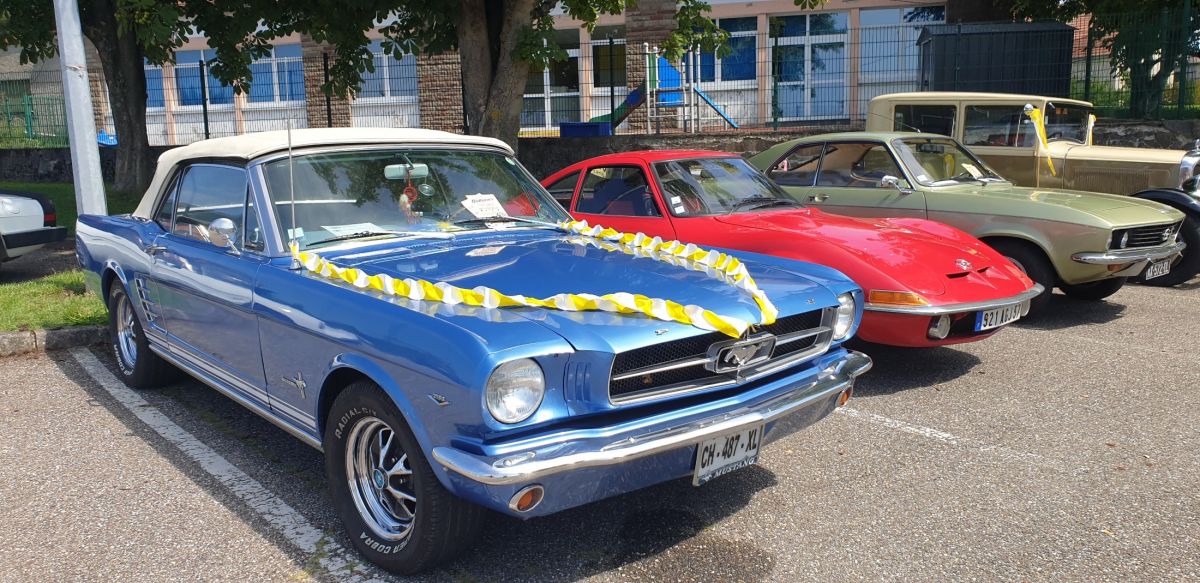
point(679, 365)
point(1151, 236)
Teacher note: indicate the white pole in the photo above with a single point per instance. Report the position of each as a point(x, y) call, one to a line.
point(85, 153)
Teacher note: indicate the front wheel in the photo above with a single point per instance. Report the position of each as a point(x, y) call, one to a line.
point(394, 508)
point(1095, 290)
point(1187, 265)
point(139, 367)
point(1033, 262)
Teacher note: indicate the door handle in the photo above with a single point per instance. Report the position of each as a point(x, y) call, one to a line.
point(154, 249)
point(818, 198)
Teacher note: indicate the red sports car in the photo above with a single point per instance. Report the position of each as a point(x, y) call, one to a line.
point(927, 284)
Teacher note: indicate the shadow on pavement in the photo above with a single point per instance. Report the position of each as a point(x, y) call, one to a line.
point(669, 522)
point(50, 259)
point(1064, 312)
point(899, 369)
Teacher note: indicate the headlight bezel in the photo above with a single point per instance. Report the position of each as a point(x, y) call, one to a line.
point(516, 371)
point(844, 317)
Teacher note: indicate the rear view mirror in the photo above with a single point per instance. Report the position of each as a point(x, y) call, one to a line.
point(223, 233)
point(405, 171)
point(889, 181)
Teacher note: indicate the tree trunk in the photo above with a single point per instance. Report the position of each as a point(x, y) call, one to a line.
point(125, 74)
point(493, 76)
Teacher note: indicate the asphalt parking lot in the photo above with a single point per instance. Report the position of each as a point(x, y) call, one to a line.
point(1066, 450)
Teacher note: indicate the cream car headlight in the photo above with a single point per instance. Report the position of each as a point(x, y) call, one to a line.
point(515, 390)
point(843, 321)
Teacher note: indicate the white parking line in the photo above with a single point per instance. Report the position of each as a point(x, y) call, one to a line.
point(951, 439)
point(334, 559)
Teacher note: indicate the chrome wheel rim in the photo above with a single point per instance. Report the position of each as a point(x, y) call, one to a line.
point(127, 336)
point(380, 479)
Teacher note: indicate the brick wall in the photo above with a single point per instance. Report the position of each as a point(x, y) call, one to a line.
point(651, 22)
point(439, 83)
point(335, 113)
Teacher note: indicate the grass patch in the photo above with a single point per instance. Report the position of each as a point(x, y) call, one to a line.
point(63, 196)
point(53, 301)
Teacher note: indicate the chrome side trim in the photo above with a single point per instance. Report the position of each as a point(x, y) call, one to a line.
point(1117, 256)
point(829, 382)
point(196, 370)
point(1024, 296)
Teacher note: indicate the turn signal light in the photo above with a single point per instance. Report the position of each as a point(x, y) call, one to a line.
point(896, 298)
point(845, 396)
point(526, 498)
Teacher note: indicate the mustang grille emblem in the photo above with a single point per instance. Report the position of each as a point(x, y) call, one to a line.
point(963, 264)
point(734, 355)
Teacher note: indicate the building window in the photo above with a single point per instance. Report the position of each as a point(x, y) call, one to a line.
point(739, 63)
point(187, 79)
point(808, 66)
point(279, 77)
point(552, 92)
point(154, 86)
point(392, 78)
point(889, 58)
point(608, 56)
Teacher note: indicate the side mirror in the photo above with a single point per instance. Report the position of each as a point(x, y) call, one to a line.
point(223, 233)
point(893, 182)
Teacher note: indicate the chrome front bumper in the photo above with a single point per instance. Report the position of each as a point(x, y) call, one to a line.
point(522, 468)
point(1136, 255)
point(1022, 297)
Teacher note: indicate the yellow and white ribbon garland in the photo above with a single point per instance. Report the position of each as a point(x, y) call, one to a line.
point(1039, 126)
point(716, 264)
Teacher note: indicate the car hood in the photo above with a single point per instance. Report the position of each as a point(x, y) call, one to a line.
point(1112, 210)
point(876, 253)
point(542, 263)
point(1116, 154)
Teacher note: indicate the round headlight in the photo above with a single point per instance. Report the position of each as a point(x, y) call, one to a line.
point(844, 319)
point(515, 390)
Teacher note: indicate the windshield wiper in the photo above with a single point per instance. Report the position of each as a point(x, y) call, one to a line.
point(761, 202)
point(358, 235)
point(501, 219)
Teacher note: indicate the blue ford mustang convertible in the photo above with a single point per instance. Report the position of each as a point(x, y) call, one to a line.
point(415, 305)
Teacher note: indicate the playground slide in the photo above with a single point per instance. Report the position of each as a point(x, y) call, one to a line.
point(634, 100)
point(716, 108)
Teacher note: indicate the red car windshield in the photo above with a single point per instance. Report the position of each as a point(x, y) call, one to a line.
point(712, 186)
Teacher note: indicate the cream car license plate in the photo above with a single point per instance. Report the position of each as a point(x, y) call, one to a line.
point(1157, 269)
point(726, 453)
point(997, 317)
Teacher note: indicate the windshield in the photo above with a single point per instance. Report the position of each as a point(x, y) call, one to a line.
point(707, 186)
point(403, 192)
point(1067, 122)
point(941, 161)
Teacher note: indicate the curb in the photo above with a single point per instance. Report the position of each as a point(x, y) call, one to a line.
point(26, 341)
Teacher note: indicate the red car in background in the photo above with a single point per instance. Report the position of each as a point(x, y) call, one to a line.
point(926, 283)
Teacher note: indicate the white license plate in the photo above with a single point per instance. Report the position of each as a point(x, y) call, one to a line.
point(726, 453)
point(997, 317)
point(1157, 269)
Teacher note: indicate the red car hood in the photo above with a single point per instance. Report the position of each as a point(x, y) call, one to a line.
point(932, 259)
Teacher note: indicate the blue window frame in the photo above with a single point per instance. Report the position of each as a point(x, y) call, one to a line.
point(391, 77)
point(739, 63)
point(279, 77)
point(187, 79)
point(154, 86)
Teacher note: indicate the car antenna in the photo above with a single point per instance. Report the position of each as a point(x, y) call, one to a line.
point(906, 126)
point(294, 239)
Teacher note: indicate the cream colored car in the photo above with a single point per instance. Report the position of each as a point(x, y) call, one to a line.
point(1000, 129)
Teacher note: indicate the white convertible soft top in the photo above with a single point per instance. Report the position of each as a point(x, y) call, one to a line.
point(249, 146)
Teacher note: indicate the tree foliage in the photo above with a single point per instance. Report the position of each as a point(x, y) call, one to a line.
point(1148, 39)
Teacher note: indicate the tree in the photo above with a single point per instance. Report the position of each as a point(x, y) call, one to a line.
point(1149, 39)
point(498, 40)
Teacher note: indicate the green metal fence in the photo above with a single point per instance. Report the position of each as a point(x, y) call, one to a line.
point(31, 121)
